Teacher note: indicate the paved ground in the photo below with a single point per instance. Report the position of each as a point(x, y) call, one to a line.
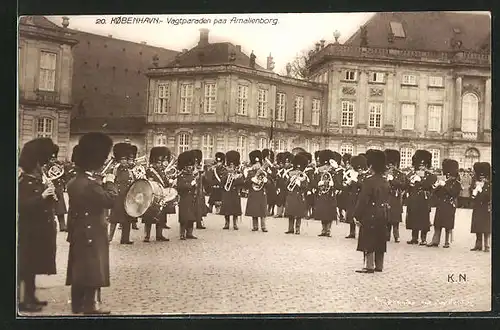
point(255, 272)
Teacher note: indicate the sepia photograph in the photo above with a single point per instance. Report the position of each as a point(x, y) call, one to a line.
point(236, 164)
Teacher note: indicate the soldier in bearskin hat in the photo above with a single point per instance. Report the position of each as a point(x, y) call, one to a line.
point(214, 180)
point(124, 179)
point(36, 225)
point(132, 156)
point(420, 185)
point(88, 259)
point(481, 210)
point(256, 180)
point(316, 157)
point(342, 195)
point(446, 192)
point(280, 184)
point(397, 182)
point(309, 171)
point(202, 208)
point(155, 173)
point(352, 180)
point(297, 186)
point(188, 187)
point(268, 156)
point(372, 213)
point(59, 185)
point(232, 182)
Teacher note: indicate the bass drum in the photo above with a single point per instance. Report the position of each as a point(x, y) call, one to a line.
point(143, 199)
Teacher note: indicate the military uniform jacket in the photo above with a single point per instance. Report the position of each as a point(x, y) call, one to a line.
point(60, 186)
point(123, 181)
point(231, 200)
point(36, 227)
point(398, 185)
point(446, 198)
point(296, 205)
point(188, 198)
point(419, 203)
point(481, 211)
point(372, 211)
point(157, 175)
point(325, 203)
point(88, 259)
point(342, 193)
point(202, 208)
point(257, 200)
point(214, 180)
point(352, 191)
point(281, 182)
point(271, 185)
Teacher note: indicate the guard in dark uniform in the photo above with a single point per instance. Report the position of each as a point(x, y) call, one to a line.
point(342, 197)
point(215, 181)
point(446, 192)
point(37, 231)
point(284, 177)
point(372, 213)
point(187, 186)
point(60, 186)
point(272, 171)
point(256, 180)
point(481, 211)
point(88, 258)
point(397, 182)
point(420, 186)
point(309, 171)
point(352, 186)
point(131, 163)
point(202, 208)
point(155, 173)
point(233, 181)
point(297, 186)
point(123, 179)
point(280, 184)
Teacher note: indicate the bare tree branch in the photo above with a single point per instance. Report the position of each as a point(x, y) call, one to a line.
point(300, 65)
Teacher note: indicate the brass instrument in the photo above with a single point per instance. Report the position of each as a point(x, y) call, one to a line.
point(350, 176)
point(478, 188)
point(230, 179)
point(170, 170)
point(139, 169)
point(295, 179)
point(327, 179)
point(54, 172)
point(261, 175)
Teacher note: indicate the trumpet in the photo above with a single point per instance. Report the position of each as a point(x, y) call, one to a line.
point(295, 179)
point(54, 172)
point(139, 169)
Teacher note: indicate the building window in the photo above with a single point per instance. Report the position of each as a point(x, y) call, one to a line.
point(263, 143)
point(241, 146)
point(280, 106)
point(162, 98)
point(410, 79)
point(159, 140)
point(471, 157)
point(314, 147)
point(350, 75)
point(316, 111)
point(377, 77)
point(434, 118)
point(374, 148)
point(183, 142)
point(280, 146)
point(210, 98)
point(207, 142)
point(186, 98)
point(47, 78)
point(397, 29)
point(435, 81)
point(262, 104)
point(470, 109)
point(299, 110)
point(44, 128)
point(406, 155)
point(375, 118)
point(347, 119)
point(408, 116)
point(242, 100)
point(436, 158)
point(347, 149)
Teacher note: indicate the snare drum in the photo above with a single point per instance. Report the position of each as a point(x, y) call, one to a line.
point(144, 198)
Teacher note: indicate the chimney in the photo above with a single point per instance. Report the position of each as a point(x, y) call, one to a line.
point(322, 41)
point(143, 43)
point(317, 46)
point(65, 22)
point(184, 50)
point(238, 48)
point(203, 37)
point(270, 62)
point(110, 36)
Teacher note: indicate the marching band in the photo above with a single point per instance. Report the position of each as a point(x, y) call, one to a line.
point(366, 191)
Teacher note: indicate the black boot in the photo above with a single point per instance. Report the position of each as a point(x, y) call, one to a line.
point(90, 306)
point(159, 234)
point(226, 224)
point(77, 299)
point(235, 222)
point(290, 226)
point(298, 222)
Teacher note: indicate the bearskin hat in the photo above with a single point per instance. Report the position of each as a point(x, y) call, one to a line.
point(280, 157)
point(306, 155)
point(158, 154)
point(450, 167)
point(392, 156)
point(255, 156)
point(296, 150)
point(337, 157)
point(121, 150)
point(220, 157)
point(346, 158)
point(325, 156)
point(267, 153)
point(94, 149)
point(34, 152)
point(74, 154)
point(358, 162)
point(482, 169)
point(132, 151)
point(316, 156)
point(361, 154)
point(422, 157)
point(288, 156)
point(233, 157)
point(198, 155)
point(185, 159)
point(299, 161)
point(376, 160)
point(55, 151)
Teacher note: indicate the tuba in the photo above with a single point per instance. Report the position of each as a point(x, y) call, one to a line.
point(54, 172)
point(327, 178)
point(139, 169)
point(260, 175)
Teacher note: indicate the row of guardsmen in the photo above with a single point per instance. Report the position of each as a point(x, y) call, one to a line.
point(367, 189)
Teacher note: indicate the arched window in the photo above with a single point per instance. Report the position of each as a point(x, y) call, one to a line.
point(470, 112)
point(159, 140)
point(44, 127)
point(471, 157)
point(183, 142)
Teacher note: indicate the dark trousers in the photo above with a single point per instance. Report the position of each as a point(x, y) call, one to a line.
point(479, 240)
point(158, 227)
point(352, 229)
point(326, 227)
point(62, 222)
point(125, 236)
point(255, 223)
point(28, 280)
point(186, 229)
point(374, 260)
point(83, 299)
point(423, 235)
point(394, 227)
point(294, 221)
point(436, 238)
point(235, 221)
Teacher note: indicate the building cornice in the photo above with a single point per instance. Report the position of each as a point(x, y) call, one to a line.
point(230, 68)
point(42, 33)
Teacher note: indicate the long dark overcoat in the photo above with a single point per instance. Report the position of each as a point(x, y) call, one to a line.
point(372, 212)
point(123, 181)
point(271, 186)
point(281, 182)
point(419, 203)
point(398, 186)
point(446, 204)
point(231, 200)
point(214, 181)
point(88, 259)
point(188, 200)
point(351, 191)
point(36, 228)
point(156, 175)
point(325, 204)
point(60, 206)
point(296, 204)
point(257, 200)
point(481, 211)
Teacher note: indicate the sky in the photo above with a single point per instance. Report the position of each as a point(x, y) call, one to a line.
point(292, 34)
